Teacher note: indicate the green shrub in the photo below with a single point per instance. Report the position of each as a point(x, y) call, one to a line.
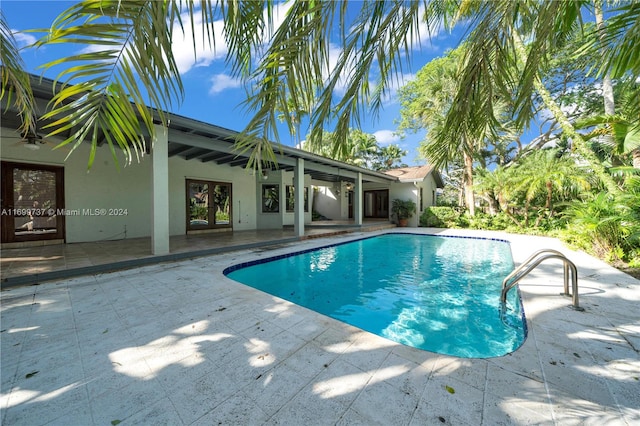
point(440, 217)
point(604, 226)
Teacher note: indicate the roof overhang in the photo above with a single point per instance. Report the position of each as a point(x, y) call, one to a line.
point(195, 140)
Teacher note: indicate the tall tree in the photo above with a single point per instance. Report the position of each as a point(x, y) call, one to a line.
point(388, 157)
point(425, 103)
point(375, 36)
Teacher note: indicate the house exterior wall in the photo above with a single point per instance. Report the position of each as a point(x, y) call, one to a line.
point(336, 206)
point(411, 191)
point(429, 191)
point(243, 209)
point(269, 220)
point(125, 193)
point(122, 192)
point(404, 191)
point(112, 203)
point(327, 201)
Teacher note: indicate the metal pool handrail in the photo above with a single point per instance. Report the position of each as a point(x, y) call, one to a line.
point(531, 263)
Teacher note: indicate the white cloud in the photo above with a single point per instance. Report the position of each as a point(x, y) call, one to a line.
point(221, 82)
point(386, 137)
point(202, 54)
point(23, 39)
point(188, 54)
point(92, 48)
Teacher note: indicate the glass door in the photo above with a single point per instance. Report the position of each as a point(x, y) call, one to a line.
point(32, 202)
point(208, 205)
point(376, 204)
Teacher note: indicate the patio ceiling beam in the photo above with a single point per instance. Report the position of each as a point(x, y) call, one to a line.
point(227, 159)
point(241, 161)
point(196, 154)
point(178, 149)
point(196, 141)
point(288, 159)
point(213, 156)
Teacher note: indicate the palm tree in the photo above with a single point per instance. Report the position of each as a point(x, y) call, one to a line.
point(426, 102)
point(388, 157)
point(544, 172)
point(496, 49)
point(360, 148)
point(137, 63)
point(496, 186)
point(364, 147)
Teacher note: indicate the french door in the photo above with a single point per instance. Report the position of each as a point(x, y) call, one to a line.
point(32, 202)
point(208, 205)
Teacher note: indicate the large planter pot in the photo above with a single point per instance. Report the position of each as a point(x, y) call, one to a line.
point(403, 222)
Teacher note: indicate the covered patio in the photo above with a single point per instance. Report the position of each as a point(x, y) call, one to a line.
point(34, 264)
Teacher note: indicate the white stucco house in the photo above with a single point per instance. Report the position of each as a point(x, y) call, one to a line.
point(192, 181)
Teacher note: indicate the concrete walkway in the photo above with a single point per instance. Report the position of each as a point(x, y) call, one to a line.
point(178, 344)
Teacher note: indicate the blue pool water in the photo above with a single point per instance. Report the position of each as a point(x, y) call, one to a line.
point(441, 294)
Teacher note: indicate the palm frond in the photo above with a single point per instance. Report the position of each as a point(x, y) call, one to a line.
point(620, 42)
point(298, 65)
point(101, 89)
point(16, 86)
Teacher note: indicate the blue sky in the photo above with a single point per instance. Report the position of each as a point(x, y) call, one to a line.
point(211, 95)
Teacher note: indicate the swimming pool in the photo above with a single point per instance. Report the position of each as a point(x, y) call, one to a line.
point(440, 294)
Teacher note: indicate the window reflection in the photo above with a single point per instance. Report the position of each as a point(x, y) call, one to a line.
point(291, 198)
point(270, 198)
point(209, 204)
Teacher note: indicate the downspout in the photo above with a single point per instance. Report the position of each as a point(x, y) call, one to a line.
point(415, 184)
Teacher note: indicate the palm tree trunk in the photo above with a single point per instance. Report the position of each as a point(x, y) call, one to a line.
point(578, 142)
point(635, 154)
point(513, 218)
point(607, 84)
point(493, 205)
point(468, 184)
point(538, 220)
point(549, 194)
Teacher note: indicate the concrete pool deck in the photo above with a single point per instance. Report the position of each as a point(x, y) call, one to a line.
point(179, 343)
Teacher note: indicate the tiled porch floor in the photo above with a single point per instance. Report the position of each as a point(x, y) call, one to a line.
point(19, 266)
point(178, 343)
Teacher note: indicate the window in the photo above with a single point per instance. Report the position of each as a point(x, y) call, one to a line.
point(208, 205)
point(270, 198)
point(32, 202)
point(421, 200)
point(291, 198)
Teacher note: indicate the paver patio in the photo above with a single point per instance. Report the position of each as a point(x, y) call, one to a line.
point(179, 343)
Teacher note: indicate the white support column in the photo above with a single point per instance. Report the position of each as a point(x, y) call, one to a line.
point(160, 192)
point(298, 185)
point(358, 208)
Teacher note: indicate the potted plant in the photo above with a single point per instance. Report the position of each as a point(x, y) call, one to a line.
point(403, 210)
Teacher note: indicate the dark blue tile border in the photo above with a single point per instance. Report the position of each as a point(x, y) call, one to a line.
point(232, 268)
